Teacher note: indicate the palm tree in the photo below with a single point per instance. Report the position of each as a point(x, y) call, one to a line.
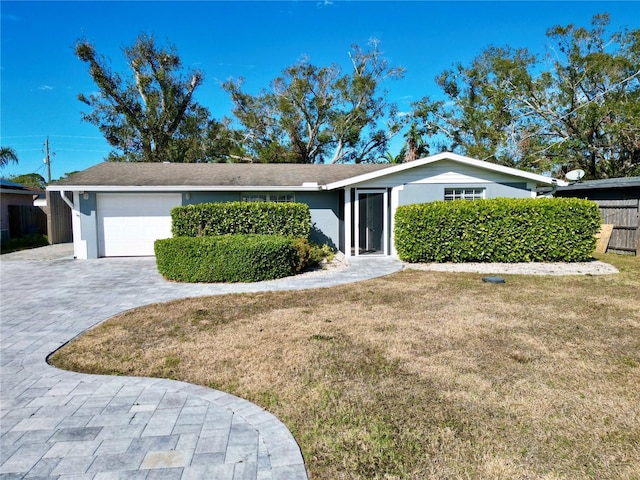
point(7, 155)
point(415, 146)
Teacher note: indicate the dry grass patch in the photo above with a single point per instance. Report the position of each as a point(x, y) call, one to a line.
point(417, 375)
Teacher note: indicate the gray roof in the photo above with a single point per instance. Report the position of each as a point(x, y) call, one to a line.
point(623, 182)
point(212, 174)
point(7, 186)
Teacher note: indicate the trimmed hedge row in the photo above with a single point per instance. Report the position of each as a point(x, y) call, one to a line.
point(498, 230)
point(265, 218)
point(226, 258)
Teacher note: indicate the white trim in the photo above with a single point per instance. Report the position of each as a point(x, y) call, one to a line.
point(439, 157)
point(395, 202)
point(79, 245)
point(17, 191)
point(385, 218)
point(348, 220)
point(181, 188)
point(461, 193)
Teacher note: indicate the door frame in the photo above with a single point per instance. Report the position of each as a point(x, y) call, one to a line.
point(385, 218)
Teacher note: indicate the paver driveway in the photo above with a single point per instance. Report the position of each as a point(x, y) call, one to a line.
point(64, 425)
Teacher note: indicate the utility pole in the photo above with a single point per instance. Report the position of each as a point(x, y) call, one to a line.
point(47, 160)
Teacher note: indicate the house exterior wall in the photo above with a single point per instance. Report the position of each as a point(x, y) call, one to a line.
point(324, 209)
point(428, 182)
point(325, 216)
point(88, 220)
point(333, 212)
point(323, 206)
point(445, 172)
point(206, 197)
point(12, 199)
point(423, 193)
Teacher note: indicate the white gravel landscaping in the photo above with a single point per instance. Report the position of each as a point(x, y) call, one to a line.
point(531, 268)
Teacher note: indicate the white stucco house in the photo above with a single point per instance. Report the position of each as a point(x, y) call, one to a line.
point(120, 209)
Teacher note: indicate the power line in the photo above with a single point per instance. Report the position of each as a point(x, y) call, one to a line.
point(80, 150)
point(44, 135)
point(76, 136)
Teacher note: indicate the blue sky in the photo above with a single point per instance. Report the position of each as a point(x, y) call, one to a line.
point(41, 77)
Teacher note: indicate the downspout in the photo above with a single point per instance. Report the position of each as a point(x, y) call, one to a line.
point(554, 188)
point(79, 246)
point(66, 200)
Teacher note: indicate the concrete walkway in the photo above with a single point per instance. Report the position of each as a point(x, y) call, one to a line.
point(63, 425)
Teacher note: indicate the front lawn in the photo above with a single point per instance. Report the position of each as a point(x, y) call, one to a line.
point(417, 375)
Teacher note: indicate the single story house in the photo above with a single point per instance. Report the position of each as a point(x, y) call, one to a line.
point(619, 202)
point(120, 209)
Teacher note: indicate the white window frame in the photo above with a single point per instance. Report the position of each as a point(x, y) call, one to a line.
point(281, 197)
point(464, 193)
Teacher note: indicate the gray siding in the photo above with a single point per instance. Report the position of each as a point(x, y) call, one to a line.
point(423, 192)
point(89, 223)
point(442, 172)
point(206, 197)
point(325, 219)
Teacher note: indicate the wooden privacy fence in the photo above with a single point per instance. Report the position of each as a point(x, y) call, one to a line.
point(624, 215)
point(58, 219)
point(26, 220)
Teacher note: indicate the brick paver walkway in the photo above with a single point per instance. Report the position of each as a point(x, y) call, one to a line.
point(63, 425)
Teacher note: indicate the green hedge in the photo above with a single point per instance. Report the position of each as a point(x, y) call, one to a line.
point(498, 230)
point(227, 258)
point(265, 218)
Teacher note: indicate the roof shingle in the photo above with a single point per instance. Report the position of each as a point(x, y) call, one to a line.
point(213, 174)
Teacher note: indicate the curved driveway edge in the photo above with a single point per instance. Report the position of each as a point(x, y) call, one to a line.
point(61, 425)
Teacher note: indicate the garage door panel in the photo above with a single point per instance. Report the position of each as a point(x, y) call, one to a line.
point(129, 224)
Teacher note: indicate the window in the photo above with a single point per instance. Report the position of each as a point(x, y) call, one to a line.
point(268, 197)
point(463, 194)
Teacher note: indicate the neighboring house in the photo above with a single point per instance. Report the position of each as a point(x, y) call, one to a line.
point(619, 201)
point(119, 209)
point(18, 215)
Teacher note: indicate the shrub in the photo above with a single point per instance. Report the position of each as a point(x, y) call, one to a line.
point(498, 230)
point(22, 243)
point(307, 254)
point(265, 218)
point(226, 258)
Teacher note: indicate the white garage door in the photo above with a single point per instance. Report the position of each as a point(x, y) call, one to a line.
point(129, 223)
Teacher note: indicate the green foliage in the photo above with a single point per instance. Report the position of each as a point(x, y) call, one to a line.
point(308, 254)
point(34, 180)
point(498, 230)
point(7, 155)
point(22, 243)
point(149, 115)
point(578, 107)
point(267, 218)
point(225, 258)
point(316, 114)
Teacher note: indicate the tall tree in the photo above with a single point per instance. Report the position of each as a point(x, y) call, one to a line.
point(148, 114)
point(314, 114)
point(592, 108)
point(477, 116)
point(579, 107)
point(414, 146)
point(7, 155)
point(34, 180)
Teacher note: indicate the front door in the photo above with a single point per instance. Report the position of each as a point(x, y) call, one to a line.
point(371, 222)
